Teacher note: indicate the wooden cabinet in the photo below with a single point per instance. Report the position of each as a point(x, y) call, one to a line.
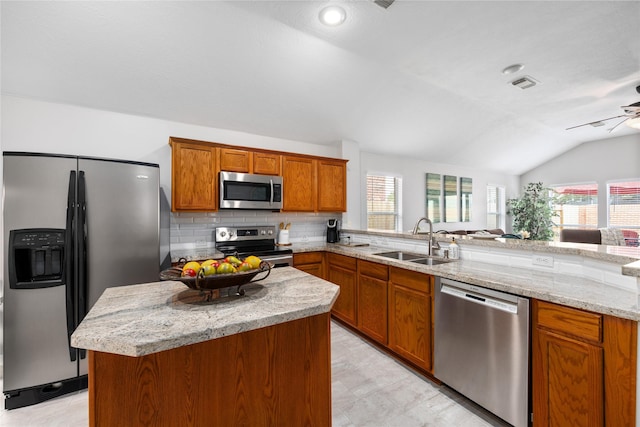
point(310, 262)
point(266, 163)
point(372, 300)
point(247, 161)
point(584, 367)
point(193, 176)
point(411, 316)
point(341, 270)
point(234, 160)
point(332, 185)
point(299, 184)
point(310, 184)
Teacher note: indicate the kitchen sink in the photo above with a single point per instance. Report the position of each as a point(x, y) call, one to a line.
point(429, 261)
point(402, 256)
point(413, 257)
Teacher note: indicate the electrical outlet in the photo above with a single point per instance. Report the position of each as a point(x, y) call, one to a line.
point(543, 260)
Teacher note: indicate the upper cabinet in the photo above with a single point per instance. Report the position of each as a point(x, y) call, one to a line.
point(193, 176)
point(332, 185)
point(233, 160)
point(266, 163)
point(310, 184)
point(246, 161)
point(299, 184)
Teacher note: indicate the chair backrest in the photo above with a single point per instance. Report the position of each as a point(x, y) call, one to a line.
point(580, 235)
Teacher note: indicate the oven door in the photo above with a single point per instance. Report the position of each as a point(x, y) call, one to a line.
point(250, 191)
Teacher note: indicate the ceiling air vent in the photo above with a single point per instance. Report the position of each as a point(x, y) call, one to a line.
point(525, 82)
point(384, 3)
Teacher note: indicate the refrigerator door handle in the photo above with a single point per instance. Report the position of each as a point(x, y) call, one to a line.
point(69, 276)
point(82, 251)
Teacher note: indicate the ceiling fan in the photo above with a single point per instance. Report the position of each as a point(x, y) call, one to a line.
point(631, 117)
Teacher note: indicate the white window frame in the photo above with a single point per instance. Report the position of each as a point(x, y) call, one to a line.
point(397, 212)
point(501, 204)
point(634, 226)
point(561, 224)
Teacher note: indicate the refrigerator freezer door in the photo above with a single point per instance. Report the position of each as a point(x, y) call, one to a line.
point(122, 226)
point(35, 334)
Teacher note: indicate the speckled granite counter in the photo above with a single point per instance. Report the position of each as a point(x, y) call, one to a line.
point(142, 319)
point(566, 289)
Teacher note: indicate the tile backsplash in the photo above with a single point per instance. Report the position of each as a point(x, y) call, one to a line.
point(196, 230)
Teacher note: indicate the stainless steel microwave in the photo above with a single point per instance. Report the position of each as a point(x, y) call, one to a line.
point(250, 191)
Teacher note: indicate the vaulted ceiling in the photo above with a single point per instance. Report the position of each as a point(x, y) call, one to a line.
point(421, 78)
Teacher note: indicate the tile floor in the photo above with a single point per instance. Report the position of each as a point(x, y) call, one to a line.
point(369, 389)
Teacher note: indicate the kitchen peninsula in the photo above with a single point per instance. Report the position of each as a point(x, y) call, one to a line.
point(161, 355)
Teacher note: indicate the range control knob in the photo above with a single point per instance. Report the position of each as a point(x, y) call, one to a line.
point(223, 233)
point(263, 232)
point(270, 232)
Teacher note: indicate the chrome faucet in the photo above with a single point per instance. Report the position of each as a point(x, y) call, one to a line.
point(431, 241)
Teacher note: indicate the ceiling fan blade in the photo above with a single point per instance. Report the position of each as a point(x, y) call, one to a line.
point(613, 128)
point(632, 109)
point(597, 123)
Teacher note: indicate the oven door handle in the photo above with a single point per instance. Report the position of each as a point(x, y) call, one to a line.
point(274, 259)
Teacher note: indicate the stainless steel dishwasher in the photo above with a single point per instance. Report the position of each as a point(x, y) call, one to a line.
point(481, 346)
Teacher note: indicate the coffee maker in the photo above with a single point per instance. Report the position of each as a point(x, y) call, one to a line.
point(333, 233)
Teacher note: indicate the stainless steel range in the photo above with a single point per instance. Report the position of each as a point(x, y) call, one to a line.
point(253, 240)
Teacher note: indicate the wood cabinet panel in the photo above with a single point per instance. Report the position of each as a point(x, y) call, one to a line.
point(411, 279)
point(299, 184)
point(570, 388)
point(572, 321)
point(310, 262)
point(274, 376)
point(372, 300)
point(193, 177)
point(233, 160)
point(411, 316)
point(332, 186)
point(340, 273)
point(266, 163)
point(583, 367)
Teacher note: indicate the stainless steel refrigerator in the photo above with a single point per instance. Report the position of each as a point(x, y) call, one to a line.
point(73, 226)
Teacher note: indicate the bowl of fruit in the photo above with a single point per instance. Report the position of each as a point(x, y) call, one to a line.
point(217, 274)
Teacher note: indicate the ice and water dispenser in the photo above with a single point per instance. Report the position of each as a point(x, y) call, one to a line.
point(36, 258)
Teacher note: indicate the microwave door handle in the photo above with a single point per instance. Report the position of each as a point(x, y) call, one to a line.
point(271, 185)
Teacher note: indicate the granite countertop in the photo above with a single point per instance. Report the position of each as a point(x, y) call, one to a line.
point(142, 319)
point(565, 289)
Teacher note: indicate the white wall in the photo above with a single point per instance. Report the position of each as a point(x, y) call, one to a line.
point(413, 173)
point(600, 161)
point(37, 126)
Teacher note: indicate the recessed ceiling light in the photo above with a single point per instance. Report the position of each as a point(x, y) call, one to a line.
point(513, 69)
point(332, 16)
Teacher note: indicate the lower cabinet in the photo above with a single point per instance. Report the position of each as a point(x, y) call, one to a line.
point(372, 300)
point(410, 316)
point(341, 270)
point(310, 262)
point(584, 367)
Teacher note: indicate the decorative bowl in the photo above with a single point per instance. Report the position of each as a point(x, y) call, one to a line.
point(216, 281)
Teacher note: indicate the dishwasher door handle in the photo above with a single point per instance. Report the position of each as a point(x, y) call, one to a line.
point(478, 298)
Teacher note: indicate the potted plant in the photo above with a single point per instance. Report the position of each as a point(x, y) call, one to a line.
point(533, 211)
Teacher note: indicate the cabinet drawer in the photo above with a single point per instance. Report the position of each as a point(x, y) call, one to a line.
point(372, 269)
point(307, 258)
point(418, 281)
point(342, 261)
point(581, 324)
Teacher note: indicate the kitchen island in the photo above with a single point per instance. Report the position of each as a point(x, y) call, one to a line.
point(159, 354)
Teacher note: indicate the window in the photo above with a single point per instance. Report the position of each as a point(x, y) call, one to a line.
point(576, 206)
point(623, 199)
point(383, 204)
point(495, 207)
